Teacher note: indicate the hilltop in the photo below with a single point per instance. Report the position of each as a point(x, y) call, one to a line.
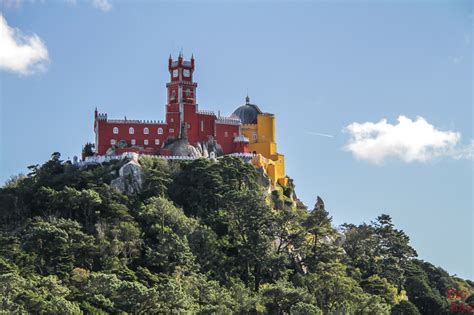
point(199, 236)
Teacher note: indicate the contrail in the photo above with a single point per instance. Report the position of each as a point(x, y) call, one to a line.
point(319, 134)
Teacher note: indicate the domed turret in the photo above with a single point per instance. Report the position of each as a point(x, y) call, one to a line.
point(247, 113)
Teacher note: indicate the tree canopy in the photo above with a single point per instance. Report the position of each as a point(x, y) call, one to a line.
point(201, 237)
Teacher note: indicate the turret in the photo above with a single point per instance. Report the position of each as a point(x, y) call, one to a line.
point(180, 58)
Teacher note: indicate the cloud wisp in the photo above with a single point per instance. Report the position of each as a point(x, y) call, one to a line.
point(407, 140)
point(319, 134)
point(20, 53)
point(103, 5)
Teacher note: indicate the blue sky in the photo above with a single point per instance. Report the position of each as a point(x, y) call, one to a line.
point(333, 68)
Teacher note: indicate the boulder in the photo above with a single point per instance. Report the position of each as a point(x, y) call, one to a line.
point(130, 178)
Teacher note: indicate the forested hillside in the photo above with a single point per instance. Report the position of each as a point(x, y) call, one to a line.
point(201, 237)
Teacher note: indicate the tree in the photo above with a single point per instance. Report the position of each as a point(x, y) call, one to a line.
point(319, 244)
point(250, 222)
point(427, 300)
point(334, 290)
point(156, 177)
point(405, 308)
point(394, 249)
point(88, 149)
point(282, 296)
point(57, 245)
point(376, 285)
point(166, 229)
point(302, 308)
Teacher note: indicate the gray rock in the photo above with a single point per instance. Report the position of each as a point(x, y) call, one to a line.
point(130, 178)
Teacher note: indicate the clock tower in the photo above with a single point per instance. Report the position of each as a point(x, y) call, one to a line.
point(181, 105)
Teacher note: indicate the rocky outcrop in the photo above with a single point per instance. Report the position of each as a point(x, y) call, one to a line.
point(181, 147)
point(211, 145)
point(319, 203)
point(130, 178)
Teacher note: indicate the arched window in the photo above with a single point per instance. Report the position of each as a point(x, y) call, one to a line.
point(226, 134)
point(160, 131)
point(188, 92)
point(173, 95)
point(146, 131)
point(145, 142)
point(131, 130)
point(115, 130)
point(113, 142)
point(254, 136)
point(134, 142)
point(202, 125)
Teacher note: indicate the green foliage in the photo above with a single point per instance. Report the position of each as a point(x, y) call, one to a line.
point(405, 308)
point(88, 149)
point(202, 237)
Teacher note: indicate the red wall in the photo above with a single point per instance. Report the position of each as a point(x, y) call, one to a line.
point(227, 143)
point(208, 124)
point(106, 134)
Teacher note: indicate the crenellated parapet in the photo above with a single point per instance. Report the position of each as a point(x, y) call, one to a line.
point(241, 139)
point(102, 117)
point(206, 112)
point(135, 121)
point(228, 121)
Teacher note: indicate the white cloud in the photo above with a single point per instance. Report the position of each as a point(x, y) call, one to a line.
point(24, 54)
point(103, 5)
point(408, 140)
point(465, 152)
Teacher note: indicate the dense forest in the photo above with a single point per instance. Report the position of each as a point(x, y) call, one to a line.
point(201, 237)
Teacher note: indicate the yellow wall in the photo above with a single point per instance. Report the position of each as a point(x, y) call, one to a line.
point(266, 128)
point(248, 131)
point(265, 144)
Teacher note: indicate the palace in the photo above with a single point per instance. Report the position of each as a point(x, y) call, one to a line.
point(189, 131)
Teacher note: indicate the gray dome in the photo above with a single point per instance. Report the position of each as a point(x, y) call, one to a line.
point(247, 113)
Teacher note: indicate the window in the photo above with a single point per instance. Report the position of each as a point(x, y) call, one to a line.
point(171, 130)
point(145, 142)
point(146, 131)
point(235, 134)
point(113, 142)
point(188, 92)
point(226, 134)
point(173, 95)
point(202, 125)
point(254, 136)
point(134, 142)
point(115, 130)
point(172, 119)
point(131, 130)
point(160, 131)
point(157, 141)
